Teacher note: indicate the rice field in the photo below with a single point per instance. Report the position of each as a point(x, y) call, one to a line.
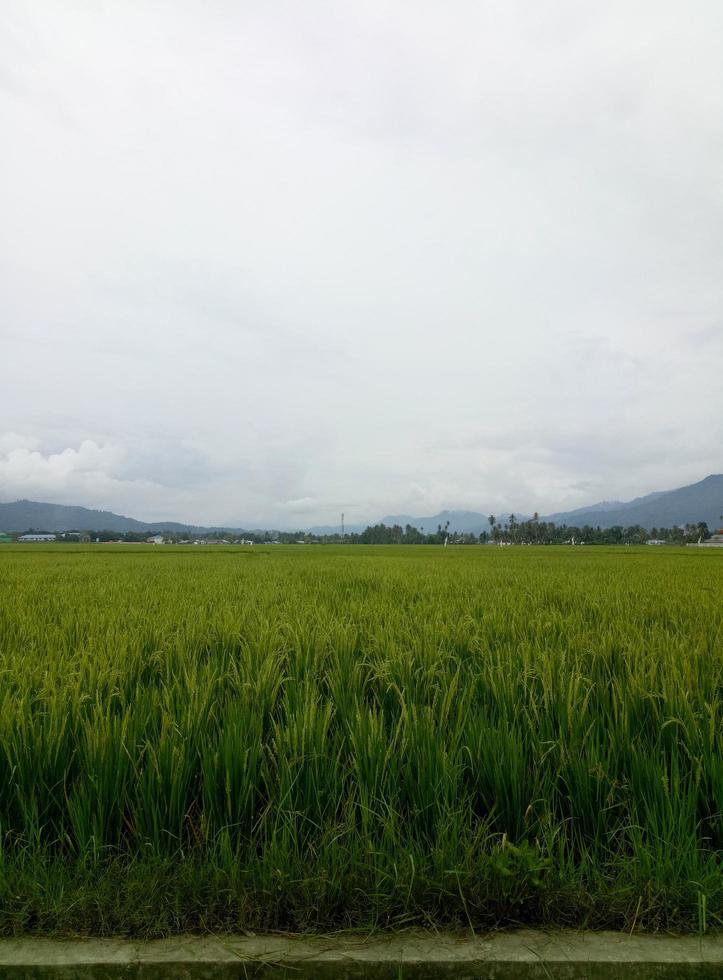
point(358, 737)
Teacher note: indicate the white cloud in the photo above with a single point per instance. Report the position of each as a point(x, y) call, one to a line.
point(12, 441)
point(305, 505)
point(84, 474)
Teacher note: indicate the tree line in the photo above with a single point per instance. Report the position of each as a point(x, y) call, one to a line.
point(532, 531)
point(511, 531)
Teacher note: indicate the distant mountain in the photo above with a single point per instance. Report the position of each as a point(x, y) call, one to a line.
point(702, 501)
point(462, 521)
point(23, 514)
point(328, 529)
point(603, 507)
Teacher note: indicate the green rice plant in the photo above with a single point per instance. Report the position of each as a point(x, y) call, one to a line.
point(359, 737)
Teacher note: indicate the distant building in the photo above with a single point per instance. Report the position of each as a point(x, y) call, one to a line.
point(37, 537)
point(714, 541)
point(5, 538)
point(155, 539)
point(655, 541)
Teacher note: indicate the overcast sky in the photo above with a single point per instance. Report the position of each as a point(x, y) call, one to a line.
point(266, 261)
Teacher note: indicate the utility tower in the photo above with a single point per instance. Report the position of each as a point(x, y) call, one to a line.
point(342, 526)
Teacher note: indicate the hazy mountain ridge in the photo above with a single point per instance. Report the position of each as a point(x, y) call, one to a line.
point(603, 507)
point(462, 521)
point(702, 501)
point(19, 515)
point(322, 529)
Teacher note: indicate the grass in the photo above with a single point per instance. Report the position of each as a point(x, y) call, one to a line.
point(307, 739)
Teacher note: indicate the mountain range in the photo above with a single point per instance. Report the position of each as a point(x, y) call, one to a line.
point(465, 521)
point(702, 501)
point(20, 515)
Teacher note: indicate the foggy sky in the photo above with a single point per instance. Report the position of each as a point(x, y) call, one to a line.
point(261, 262)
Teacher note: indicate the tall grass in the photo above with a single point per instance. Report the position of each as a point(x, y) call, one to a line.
point(307, 739)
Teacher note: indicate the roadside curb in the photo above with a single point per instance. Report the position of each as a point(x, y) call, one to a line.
point(522, 954)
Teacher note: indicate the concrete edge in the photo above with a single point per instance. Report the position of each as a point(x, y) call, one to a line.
point(410, 948)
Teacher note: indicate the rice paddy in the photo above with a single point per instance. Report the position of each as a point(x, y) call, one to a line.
point(358, 737)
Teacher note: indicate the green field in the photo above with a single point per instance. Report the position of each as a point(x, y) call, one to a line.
point(323, 737)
